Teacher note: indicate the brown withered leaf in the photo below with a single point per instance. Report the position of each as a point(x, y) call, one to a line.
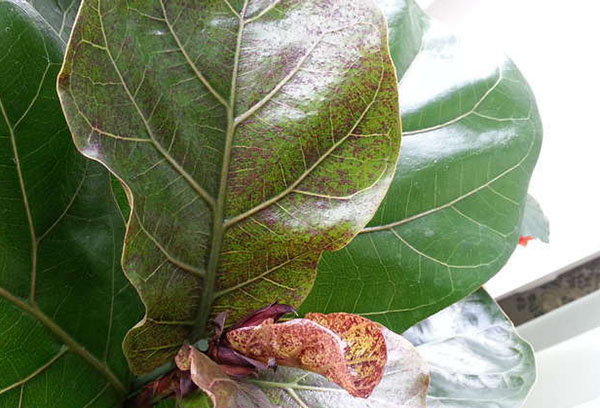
point(224, 392)
point(347, 349)
point(404, 384)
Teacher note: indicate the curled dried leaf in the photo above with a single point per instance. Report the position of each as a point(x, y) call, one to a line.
point(404, 384)
point(232, 362)
point(347, 349)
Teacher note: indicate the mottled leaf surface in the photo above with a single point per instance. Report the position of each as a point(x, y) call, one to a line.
point(452, 216)
point(349, 350)
point(476, 358)
point(65, 305)
point(252, 136)
point(404, 383)
point(535, 223)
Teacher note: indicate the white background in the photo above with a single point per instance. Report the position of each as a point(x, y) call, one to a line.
point(556, 44)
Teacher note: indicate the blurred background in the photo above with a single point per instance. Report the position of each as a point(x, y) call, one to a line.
point(551, 290)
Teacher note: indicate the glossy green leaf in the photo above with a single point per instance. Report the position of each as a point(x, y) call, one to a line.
point(475, 356)
point(452, 216)
point(252, 135)
point(535, 224)
point(59, 14)
point(404, 383)
point(65, 305)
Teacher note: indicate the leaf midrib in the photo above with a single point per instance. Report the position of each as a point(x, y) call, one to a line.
point(220, 223)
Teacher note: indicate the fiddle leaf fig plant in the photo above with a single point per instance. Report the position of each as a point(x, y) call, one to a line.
point(228, 162)
point(245, 156)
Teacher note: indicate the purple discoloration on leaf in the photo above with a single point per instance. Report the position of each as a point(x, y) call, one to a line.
point(237, 139)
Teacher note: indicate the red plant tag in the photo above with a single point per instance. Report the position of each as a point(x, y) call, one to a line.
point(523, 241)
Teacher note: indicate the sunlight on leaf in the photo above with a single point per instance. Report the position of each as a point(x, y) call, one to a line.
point(451, 219)
point(476, 356)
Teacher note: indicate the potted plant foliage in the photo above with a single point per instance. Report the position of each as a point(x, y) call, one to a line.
point(221, 206)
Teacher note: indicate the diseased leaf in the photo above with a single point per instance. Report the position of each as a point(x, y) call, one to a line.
point(476, 358)
point(274, 311)
point(347, 349)
point(452, 216)
point(535, 224)
point(252, 136)
point(60, 15)
point(233, 363)
point(404, 383)
point(223, 391)
point(64, 303)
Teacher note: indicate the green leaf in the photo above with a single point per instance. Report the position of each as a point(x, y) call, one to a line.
point(64, 303)
point(60, 15)
point(198, 400)
point(476, 358)
point(535, 224)
point(404, 383)
point(252, 137)
point(452, 216)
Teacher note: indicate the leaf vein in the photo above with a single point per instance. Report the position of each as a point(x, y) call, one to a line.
point(37, 372)
point(456, 200)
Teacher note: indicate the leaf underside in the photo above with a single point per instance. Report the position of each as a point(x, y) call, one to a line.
point(452, 216)
point(535, 223)
point(64, 302)
point(252, 136)
point(477, 359)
